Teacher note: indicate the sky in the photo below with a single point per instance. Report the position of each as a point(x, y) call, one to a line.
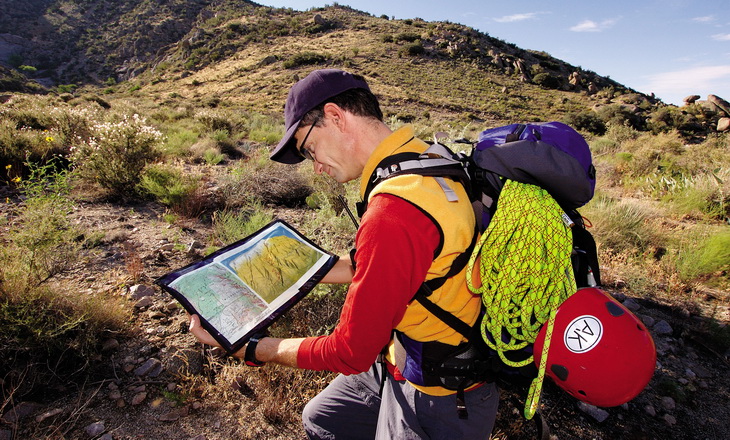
point(672, 48)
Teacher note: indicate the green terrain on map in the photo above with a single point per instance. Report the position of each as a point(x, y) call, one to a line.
point(280, 263)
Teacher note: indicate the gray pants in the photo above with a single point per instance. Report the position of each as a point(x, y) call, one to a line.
point(351, 408)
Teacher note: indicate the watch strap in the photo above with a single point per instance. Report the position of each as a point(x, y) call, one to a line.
point(249, 356)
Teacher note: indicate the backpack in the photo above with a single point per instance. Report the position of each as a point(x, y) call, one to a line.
point(552, 156)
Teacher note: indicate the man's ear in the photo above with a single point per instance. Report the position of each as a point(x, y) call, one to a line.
point(335, 115)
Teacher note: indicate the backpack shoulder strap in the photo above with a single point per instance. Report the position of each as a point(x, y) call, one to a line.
point(437, 161)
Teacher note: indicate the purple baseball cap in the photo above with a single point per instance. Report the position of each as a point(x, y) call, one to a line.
point(314, 89)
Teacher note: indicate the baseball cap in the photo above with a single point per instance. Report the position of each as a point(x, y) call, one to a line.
point(314, 89)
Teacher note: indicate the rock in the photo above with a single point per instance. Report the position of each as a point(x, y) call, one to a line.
point(670, 420)
point(689, 374)
point(319, 20)
point(95, 429)
point(167, 247)
point(48, 414)
point(115, 395)
point(139, 398)
point(663, 328)
point(720, 103)
point(649, 409)
point(144, 303)
point(109, 345)
point(668, 403)
point(723, 124)
point(691, 99)
point(175, 414)
point(600, 415)
point(21, 411)
point(140, 291)
point(631, 305)
point(106, 436)
point(647, 320)
point(152, 367)
point(701, 371)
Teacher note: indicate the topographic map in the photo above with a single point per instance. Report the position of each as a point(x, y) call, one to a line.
point(241, 286)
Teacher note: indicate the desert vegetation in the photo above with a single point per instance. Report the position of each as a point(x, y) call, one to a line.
point(182, 148)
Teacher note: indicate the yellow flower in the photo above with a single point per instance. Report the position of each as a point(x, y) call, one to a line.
point(16, 180)
point(7, 167)
point(49, 138)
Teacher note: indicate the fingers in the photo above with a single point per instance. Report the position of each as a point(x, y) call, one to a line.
point(200, 333)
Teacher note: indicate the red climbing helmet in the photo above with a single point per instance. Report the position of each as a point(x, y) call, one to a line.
point(600, 352)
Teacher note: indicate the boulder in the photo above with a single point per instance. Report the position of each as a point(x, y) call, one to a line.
point(691, 99)
point(720, 103)
point(723, 124)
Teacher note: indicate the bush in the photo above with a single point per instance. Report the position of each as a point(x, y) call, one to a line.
point(620, 225)
point(231, 226)
point(704, 256)
point(586, 121)
point(43, 321)
point(167, 185)
point(617, 114)
point(116, 153)
point(305, 59)
point(413, 50)
point(546, 80)
point(214, 120)
point(259, 179)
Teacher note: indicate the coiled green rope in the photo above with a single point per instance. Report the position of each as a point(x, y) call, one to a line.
point(525, 272)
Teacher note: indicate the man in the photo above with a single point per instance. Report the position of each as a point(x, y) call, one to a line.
point(411, 232)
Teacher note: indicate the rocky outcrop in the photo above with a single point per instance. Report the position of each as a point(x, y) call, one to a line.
point(720, 103)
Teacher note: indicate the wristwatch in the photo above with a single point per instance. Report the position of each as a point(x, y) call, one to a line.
point(249, 356)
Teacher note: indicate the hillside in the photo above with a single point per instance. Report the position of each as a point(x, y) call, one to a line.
point(248, 55)
point(134, 136)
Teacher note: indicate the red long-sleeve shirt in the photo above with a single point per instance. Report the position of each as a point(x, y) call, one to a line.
point(395, 248)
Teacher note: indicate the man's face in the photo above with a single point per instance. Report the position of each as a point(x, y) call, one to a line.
point(329, 148)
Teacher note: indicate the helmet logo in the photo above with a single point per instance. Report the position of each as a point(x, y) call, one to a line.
point(583, 334)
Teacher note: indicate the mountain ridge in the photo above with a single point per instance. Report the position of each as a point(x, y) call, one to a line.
point(250, 54)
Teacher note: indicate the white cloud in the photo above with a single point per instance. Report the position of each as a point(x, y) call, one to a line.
point(721, 37)
point(707, 79)
point(705, 19)
point(517, 17)
point(592, 26)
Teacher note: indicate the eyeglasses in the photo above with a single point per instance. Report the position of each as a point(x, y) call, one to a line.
point(302, 150)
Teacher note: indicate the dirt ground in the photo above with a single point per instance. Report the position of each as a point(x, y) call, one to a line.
point(156, 382)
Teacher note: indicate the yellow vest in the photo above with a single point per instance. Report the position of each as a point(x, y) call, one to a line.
point(456, 223)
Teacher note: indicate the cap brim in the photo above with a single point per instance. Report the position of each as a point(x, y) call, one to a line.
point(285, 151)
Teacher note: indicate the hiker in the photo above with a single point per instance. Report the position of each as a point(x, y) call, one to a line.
point(412, 230)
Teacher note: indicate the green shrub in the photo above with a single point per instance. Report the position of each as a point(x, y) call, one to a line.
point(407, 36)
point(586, 121)
point(305, 59)
point(168, 185)
point(40, 320)
point(179, 142)
point(546, 80)
point(43, 234)
point(214, 120)
point(620, 225)
point(704, 256)
point(413, 50)
point(231, 226)
point(116, 153)
point(618, 114)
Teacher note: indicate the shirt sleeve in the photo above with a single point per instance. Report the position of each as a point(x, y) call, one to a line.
point(395, 245)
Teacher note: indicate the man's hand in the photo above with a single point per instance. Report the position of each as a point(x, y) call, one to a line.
point(200, 333)
point(280, 351)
